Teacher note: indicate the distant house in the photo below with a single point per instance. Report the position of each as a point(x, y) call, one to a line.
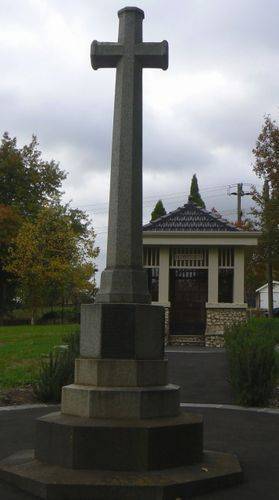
point(262, 296)
point(195, 265)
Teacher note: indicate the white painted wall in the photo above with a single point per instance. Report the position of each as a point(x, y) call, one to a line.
point(264, 297)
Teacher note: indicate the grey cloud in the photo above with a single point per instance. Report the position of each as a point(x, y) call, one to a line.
point(49, 88)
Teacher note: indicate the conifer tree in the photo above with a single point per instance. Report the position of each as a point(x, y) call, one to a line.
point(159, 210)
point(194, 195)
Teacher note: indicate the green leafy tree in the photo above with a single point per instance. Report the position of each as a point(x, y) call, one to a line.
point(266, 167)
point(194, 195)
point(53, 256)
point(27, 183)
point(159, 210)
point(9, 224)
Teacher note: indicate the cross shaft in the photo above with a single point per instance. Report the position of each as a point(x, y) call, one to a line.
point(124, 279)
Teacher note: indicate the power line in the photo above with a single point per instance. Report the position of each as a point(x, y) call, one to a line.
point(156, 197)
point(210, 192)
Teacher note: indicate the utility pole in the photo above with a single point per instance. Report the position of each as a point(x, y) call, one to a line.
point(239, 193)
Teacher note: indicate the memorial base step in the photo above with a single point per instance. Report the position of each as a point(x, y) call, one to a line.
point(50, 482)
point(135, 444)
point(120, 372)
point(120, 402)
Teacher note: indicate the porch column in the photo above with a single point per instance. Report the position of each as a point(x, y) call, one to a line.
point(238, 280)
point(164, 276)
point(213, 269)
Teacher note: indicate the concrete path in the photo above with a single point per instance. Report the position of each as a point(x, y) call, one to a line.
point(251, 435)
point(202, 374)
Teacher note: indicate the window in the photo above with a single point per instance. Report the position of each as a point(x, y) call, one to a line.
point(226, 257)
point(151, 256)
point(225, 293)
point(153, 283)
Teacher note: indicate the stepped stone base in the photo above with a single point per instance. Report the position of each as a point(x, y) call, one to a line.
point(120, 402)
point(120, 372)
point(119, 444)
point(51, 482)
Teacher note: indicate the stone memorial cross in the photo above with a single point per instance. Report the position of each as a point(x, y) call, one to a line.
point(120, 432)
point(124, 280)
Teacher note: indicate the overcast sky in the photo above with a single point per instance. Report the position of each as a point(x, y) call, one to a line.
point(201, 116)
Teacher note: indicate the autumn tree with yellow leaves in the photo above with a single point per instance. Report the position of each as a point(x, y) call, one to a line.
point(47, 249)
point(53, 259)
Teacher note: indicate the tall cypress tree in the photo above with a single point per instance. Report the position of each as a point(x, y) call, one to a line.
point(159, 210)
point(194, 195)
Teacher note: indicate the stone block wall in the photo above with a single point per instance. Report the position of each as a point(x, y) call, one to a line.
point(217, 319)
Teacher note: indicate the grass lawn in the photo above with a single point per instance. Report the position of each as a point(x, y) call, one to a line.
point(21, 348)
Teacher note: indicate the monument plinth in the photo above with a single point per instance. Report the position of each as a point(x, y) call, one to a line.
point(120, 434)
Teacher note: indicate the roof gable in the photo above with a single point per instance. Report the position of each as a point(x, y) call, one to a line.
point(191, 217)
point(265, 286)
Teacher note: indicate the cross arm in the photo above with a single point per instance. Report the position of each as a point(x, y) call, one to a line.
point(153, 55)
point(105, 54)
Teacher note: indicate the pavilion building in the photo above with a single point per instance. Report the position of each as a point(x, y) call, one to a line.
point(195, 264)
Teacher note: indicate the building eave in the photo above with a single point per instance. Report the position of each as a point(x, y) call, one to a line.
point(265, 286)
point(239, 238)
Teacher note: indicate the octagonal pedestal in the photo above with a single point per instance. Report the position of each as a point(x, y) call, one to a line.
point(120, 402)
point(50, 482)
point(114, 444)
point(119, 331)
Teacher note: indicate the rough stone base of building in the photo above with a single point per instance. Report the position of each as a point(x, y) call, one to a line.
point(218, 319)
point(215, 340)
point(184, 340)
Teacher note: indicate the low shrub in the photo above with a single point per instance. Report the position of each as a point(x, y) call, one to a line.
point(57, 370)
point(253, 360)
point(50, 316)
point(15, 322)
point(55, 316)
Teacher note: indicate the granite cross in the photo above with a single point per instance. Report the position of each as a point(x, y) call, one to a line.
point(124, 280)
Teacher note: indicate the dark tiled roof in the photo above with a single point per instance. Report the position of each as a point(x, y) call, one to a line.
point(190, 217)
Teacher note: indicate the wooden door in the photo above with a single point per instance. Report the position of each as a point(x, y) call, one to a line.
point(188, 295)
